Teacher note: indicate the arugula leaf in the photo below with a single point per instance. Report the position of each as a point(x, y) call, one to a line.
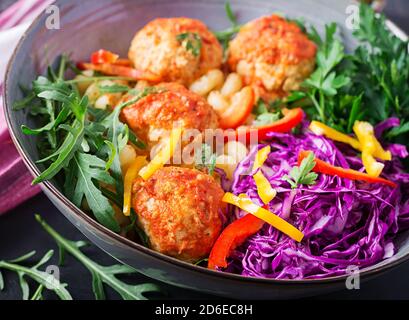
point(192, 42)
point(21, 104)
point(101, 275)
point(41, 277)
point(38, 294)
point(64, 154)
point(136, 141)
point(84, 171)
point(118, 134)
point(230, 15)
point(114, 88)
point(226, 35)
point(302, 174)
point(62, 116)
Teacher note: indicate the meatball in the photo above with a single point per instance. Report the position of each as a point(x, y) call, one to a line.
point(273, 55)
point(154, 115)
point(162, 48)
point(180, 210)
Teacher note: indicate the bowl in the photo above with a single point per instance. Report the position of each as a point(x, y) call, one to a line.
point(86, 26)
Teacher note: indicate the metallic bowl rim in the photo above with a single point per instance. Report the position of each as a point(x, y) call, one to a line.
point(79, 214)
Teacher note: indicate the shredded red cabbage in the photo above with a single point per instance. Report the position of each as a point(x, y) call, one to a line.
point(345, 223)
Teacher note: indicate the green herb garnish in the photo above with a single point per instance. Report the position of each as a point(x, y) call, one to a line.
point(369, 84)
point(114, 88)
point(302, 174)
point(207, 159)
point(191, 41)
point(266, 118)
point(224, 36)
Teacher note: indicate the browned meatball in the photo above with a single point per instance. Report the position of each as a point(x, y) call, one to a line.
point(273, 55)
point(157, 112)
point(180, 210)
point(159, 48)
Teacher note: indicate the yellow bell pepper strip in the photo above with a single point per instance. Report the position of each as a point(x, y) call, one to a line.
point(321, 129)
point(372, 167)
point(244, 203)
point(130, 176)
point(163, 155)
point(366, 136)
point(261, 157)
point(264, 189)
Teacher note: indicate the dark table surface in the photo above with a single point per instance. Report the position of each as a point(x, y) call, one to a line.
point(20, 233)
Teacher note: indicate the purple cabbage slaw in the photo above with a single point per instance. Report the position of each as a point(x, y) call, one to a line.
point(345, 223)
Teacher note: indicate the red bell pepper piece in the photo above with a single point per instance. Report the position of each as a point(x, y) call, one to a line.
point(292, 117)
point(326, 168)
point(119, 70)
point(103, 56)
point(231, 237)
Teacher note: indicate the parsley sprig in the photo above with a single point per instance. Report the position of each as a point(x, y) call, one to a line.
point(369, 84)
point(302, 174)
point(206, 159)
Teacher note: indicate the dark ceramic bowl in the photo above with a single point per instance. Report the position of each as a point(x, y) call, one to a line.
point(93, 24)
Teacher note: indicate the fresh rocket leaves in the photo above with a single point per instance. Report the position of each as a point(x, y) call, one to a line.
point(226, 35)
point(85, 170)
point(302, 174)
point(114, 88)
point(44, 279)
point(191, 41)
point(101, 275)
point(230, 15)
point(80, 141)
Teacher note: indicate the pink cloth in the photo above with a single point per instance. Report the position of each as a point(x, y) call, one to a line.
point(15, 180)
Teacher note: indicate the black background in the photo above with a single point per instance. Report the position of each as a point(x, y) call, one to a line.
point(20, 233)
